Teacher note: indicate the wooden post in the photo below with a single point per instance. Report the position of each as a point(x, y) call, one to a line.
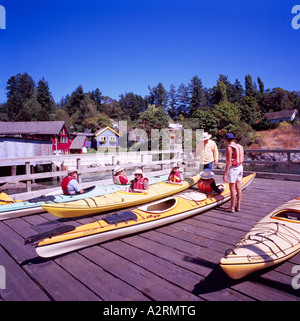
point(289, 162)
point(13, 170)
point(78, 161)
point(28, 182)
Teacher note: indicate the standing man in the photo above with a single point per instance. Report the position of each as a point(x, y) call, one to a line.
point(70, 185)
point(209, 155)
point(234, 155)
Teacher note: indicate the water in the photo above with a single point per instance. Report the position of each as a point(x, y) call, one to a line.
point(97, 176)
point(86, 177)
point(294, 168)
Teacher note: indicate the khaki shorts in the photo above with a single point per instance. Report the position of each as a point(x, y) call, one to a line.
point(235, 174)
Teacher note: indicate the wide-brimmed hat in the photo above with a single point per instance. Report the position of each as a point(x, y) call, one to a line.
point(72, 171)
point(229, 136)
point(138, 171)
point(118, 169)
point(205, 136)
point(207, 174)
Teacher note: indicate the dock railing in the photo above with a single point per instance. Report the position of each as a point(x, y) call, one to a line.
point(97, 162)
point(86, 163)
point(275, 157)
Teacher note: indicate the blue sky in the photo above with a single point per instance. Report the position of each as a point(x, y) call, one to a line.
point(123, 46)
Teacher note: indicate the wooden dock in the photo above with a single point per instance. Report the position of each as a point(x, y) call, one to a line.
point(178, 262)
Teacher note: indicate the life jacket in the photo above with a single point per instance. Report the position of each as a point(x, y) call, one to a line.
point(175, 177)
point(138, 183)
point(116, 180)
point(204, 185)
point(64, 184)
point(237, 154)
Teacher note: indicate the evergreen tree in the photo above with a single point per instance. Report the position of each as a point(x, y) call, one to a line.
point(249, 87)
point(74, 101)
point(97, 97)
point(260, 86)
point(20, 89)
point(238, 92)
point(45, 99)
point(86, 110)
point(173, 101)
point(158, 96)
point(183, 101)
point(196, 93)
point(132, 105)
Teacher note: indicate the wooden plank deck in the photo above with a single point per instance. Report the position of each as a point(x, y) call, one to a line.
point(177, 262)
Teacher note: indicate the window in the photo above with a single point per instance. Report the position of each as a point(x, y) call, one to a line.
point(102, 139)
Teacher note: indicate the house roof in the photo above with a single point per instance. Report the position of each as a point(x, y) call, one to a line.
point(31, 127)
point(78, 142)
point(280, 114)
point(103, 129)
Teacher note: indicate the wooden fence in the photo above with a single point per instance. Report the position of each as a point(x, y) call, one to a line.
point(137, 159)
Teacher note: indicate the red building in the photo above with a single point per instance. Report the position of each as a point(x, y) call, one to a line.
point(54, 131)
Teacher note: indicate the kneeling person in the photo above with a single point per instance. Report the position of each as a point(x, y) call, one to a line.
point(207, 183)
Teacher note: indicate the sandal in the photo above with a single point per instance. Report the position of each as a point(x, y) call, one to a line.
point(237, 209)
point(231, 210)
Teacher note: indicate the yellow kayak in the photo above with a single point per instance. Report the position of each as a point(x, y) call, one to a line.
point(117, 200)
point(171, 209)
point(272, 240)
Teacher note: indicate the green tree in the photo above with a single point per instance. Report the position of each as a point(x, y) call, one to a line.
point(97, 97)
point(153, 118)
point(249, 110)
point(206, 121)
point(100, 121)
point(132, 105)
point(227, 115)
point(73, 104)
point(32, 111)
point(250, 89)
point(196, 93)
point(113, 109)
point(86, 110)
point(183, 100)
point(45, 99)
point(261, 86)
point(158, 96)
point(238, 92)
point(20, 88)
point(173, 101)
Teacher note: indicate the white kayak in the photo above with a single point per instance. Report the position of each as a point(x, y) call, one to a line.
point(272, 240)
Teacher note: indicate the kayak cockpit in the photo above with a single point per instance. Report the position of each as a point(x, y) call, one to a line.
point(287, 215)
point(160, 206)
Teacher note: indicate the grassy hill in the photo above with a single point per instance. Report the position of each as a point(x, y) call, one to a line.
point(285, 136)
